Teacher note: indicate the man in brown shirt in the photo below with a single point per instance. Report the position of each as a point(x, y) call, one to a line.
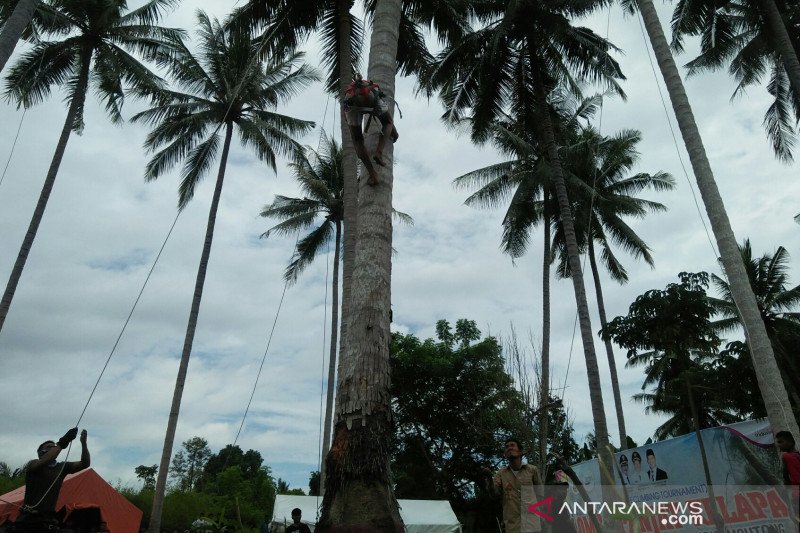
point(521, 487)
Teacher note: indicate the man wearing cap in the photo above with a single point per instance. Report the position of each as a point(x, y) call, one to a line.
point(654, 473)
point(623, 469)
point(43, 479)
point(637, 476)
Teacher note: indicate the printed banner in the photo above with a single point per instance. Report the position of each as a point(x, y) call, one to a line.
point(663, 486)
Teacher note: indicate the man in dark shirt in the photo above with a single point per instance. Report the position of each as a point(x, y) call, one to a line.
point(297, 527)
point(43, 479)
point(654, 473)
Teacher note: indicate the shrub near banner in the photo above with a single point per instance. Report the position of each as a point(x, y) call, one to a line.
point(662, 487)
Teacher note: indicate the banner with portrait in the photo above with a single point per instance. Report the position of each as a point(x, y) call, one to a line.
point(746, 490)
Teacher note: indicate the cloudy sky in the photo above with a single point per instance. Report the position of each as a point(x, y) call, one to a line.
point(104, 226)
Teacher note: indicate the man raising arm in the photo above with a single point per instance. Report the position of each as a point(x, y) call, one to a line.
point(43, 479)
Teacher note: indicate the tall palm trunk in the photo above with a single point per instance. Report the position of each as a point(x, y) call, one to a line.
point(718, 523)
point(75, 106)
point(573, 253)
point(358, 495)
point(349, 167)
point(349, 199)
point(13, 28)
point(773, 391)
point(545, 383)
point(326, 434)
point(781, 41)
point(612, 363)
point(791, 377)
point(172, 423)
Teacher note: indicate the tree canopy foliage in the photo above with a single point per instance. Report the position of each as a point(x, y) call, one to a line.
point(670, 333)
point(223, 486)
point(454, 405)
point(188, 464)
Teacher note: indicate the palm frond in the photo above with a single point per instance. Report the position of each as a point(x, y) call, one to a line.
point(523, 214)
point(150, 13)
point(402, 218)
point(150, 42)
point(613, 265)
point(109, 85)
point(47, 64)
point(131, 72)
point(292, 225)
point(285, 207)
point(780, 120)
point(413, 57)
point(197, 164)
point(330, 27)
point(307, 249)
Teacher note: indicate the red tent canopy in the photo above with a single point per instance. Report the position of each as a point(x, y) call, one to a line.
point(83, 490)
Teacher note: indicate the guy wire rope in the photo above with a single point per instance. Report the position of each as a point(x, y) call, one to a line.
point(111, 353)
point(16, 137)
point(322, 413)
point(13, 146)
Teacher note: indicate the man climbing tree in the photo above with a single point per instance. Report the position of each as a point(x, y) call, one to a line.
point(364, 97)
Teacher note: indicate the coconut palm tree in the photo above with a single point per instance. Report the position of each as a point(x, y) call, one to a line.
point(596, 168)
point(359, 495)
point(321, 179)
point(525, 179)
point(230, 85)
point(13, 23)
point(602, 193)
point(673, 380)
point(322, 184)
point(737, 34)
point(516, 60)
point(99, 39)
point(319, 175)
point(769, 277)
point(764, 362)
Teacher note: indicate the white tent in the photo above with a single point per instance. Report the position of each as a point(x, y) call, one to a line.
point(282, 514)
point(428, 516)
point(419, 516)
